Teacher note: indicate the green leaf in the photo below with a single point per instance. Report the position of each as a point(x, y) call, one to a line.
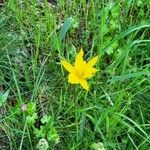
point(31, 108)
point(38, 133)
point(3, 97)
point(65, 27)
point(128, 76)
point(123, 34)
point(52, 135)
point(134, 123)
point(32, 119)
point(45, 119)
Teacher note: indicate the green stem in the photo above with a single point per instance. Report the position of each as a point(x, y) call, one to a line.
point(23, 135)
point(76, 113)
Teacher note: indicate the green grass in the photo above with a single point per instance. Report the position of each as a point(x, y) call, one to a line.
point(35, 36)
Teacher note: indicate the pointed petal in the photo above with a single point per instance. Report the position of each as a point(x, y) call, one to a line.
point(80, 54)
point(90, 72)
point(67, 66)
point(84, 84)
point(72, 78)
point(79, 59)
point(93, 61)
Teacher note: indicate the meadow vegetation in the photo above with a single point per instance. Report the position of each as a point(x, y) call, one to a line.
point(39, 109)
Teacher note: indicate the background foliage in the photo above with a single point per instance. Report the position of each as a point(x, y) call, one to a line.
point(35, 35)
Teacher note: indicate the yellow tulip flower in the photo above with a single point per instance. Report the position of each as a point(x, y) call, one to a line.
point(81, 70)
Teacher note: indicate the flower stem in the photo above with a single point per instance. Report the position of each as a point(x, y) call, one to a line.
point(76, 113)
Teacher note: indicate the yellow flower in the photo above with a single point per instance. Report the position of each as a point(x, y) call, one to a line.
point(81, 70)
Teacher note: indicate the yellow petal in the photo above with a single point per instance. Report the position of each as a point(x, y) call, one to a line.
point(80, 54)
point(84, 84)
point(72, 78)
point(67, 66)
point(93, 61)
point(90, 72)
point(79, 59)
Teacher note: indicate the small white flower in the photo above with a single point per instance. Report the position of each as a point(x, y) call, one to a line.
point(42, 144)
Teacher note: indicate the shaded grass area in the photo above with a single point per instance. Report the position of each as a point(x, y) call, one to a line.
point(35, 35)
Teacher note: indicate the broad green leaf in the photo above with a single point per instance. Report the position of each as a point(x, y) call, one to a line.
point(65, 27)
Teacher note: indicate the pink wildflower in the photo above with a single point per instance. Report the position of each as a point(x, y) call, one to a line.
point(24, 107)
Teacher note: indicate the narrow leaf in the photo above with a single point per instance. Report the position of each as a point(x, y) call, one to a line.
point(128, 76)
point(3, 97)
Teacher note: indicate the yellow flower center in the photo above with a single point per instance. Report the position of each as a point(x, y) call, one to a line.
point(80, 75)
